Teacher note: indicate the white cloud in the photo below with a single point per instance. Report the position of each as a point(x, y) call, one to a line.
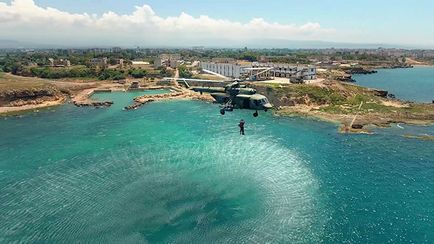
point(25, 21)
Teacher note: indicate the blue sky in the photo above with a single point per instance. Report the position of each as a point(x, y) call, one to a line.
point(334, 13)
point(383, 21)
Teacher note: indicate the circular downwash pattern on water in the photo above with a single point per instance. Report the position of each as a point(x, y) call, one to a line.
point(221, 190)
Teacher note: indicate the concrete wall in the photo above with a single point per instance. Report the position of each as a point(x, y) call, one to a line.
point(289, 71)
point(226, 69)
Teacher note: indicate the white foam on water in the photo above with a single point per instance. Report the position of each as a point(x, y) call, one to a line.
point(287, 190)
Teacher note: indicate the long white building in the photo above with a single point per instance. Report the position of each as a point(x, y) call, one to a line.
point(261, 71)
point(293, 72)
point(232, 70)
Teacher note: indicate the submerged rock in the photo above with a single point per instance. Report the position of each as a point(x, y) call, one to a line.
point(137, 105)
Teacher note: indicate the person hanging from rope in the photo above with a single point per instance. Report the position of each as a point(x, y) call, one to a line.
point(241, 125)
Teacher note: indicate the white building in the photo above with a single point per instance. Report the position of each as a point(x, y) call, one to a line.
point(102, 62)
point(59, 62)
point(120, 62)
point(293, 72)
point(261, 71)
point(233, 70)
point(167, 60)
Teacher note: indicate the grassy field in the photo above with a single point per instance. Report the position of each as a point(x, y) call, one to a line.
point(341, 98)
point(11, 82)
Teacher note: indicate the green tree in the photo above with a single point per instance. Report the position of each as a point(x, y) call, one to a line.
point(165, 72)
point(184, 72)
point(138, 73)
point(108, 74)
point(249, 56)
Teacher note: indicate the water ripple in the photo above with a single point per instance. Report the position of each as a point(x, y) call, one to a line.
point(222, 189)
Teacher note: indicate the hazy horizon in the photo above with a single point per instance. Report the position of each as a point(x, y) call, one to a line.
point(284, 44)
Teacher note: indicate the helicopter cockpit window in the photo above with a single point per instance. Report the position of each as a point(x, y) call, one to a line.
point(257, 102)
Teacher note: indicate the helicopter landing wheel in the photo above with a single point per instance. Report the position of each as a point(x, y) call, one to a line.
point(255, 114)
point(222, 111)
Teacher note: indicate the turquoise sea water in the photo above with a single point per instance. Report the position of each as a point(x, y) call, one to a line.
point(415, 84)
point(178, 172)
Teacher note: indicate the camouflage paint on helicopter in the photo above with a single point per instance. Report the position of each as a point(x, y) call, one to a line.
point(237, 96)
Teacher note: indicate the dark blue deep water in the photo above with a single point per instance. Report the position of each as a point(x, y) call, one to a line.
point(415, 84)
point(178, 172)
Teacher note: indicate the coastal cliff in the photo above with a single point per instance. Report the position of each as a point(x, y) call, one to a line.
point(352, 106)
point(33, 96)
point(21, 94)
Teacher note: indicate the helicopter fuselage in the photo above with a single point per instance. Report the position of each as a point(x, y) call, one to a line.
point(236, 96)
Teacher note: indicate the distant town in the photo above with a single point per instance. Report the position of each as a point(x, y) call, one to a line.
point(282, 65)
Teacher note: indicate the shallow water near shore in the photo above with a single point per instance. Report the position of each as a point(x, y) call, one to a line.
point(416, 84)
point(122, 99)
point(179, 172)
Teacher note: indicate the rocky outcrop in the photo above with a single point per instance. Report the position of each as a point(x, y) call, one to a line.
point(34, 96)
point(380, 93)
point(137, 105)
point(346, 78)
point(179, 94)
point(360, 70)
point(357, 126)
point(398, 66)
point(93, 104)
point(140, 101)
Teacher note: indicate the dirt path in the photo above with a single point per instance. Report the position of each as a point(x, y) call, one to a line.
point(355, 116)
point(413, 62)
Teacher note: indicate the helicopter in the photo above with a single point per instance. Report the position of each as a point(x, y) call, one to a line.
point(237, 96)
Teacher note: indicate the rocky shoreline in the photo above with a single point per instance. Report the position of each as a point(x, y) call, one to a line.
point(313, 101)
point(307, 106)
point(354, 123)
point(355, 108)
point(20, 100)
point(178, 94)
point(93, 104)
point(83, 98)
point(360, 70)
point(16, 100)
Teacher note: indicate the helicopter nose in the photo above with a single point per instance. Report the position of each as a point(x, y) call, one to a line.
point(268, 106)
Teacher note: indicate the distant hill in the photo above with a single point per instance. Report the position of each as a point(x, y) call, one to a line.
point(316, 44)
point(8, 44)
point(259, 43)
